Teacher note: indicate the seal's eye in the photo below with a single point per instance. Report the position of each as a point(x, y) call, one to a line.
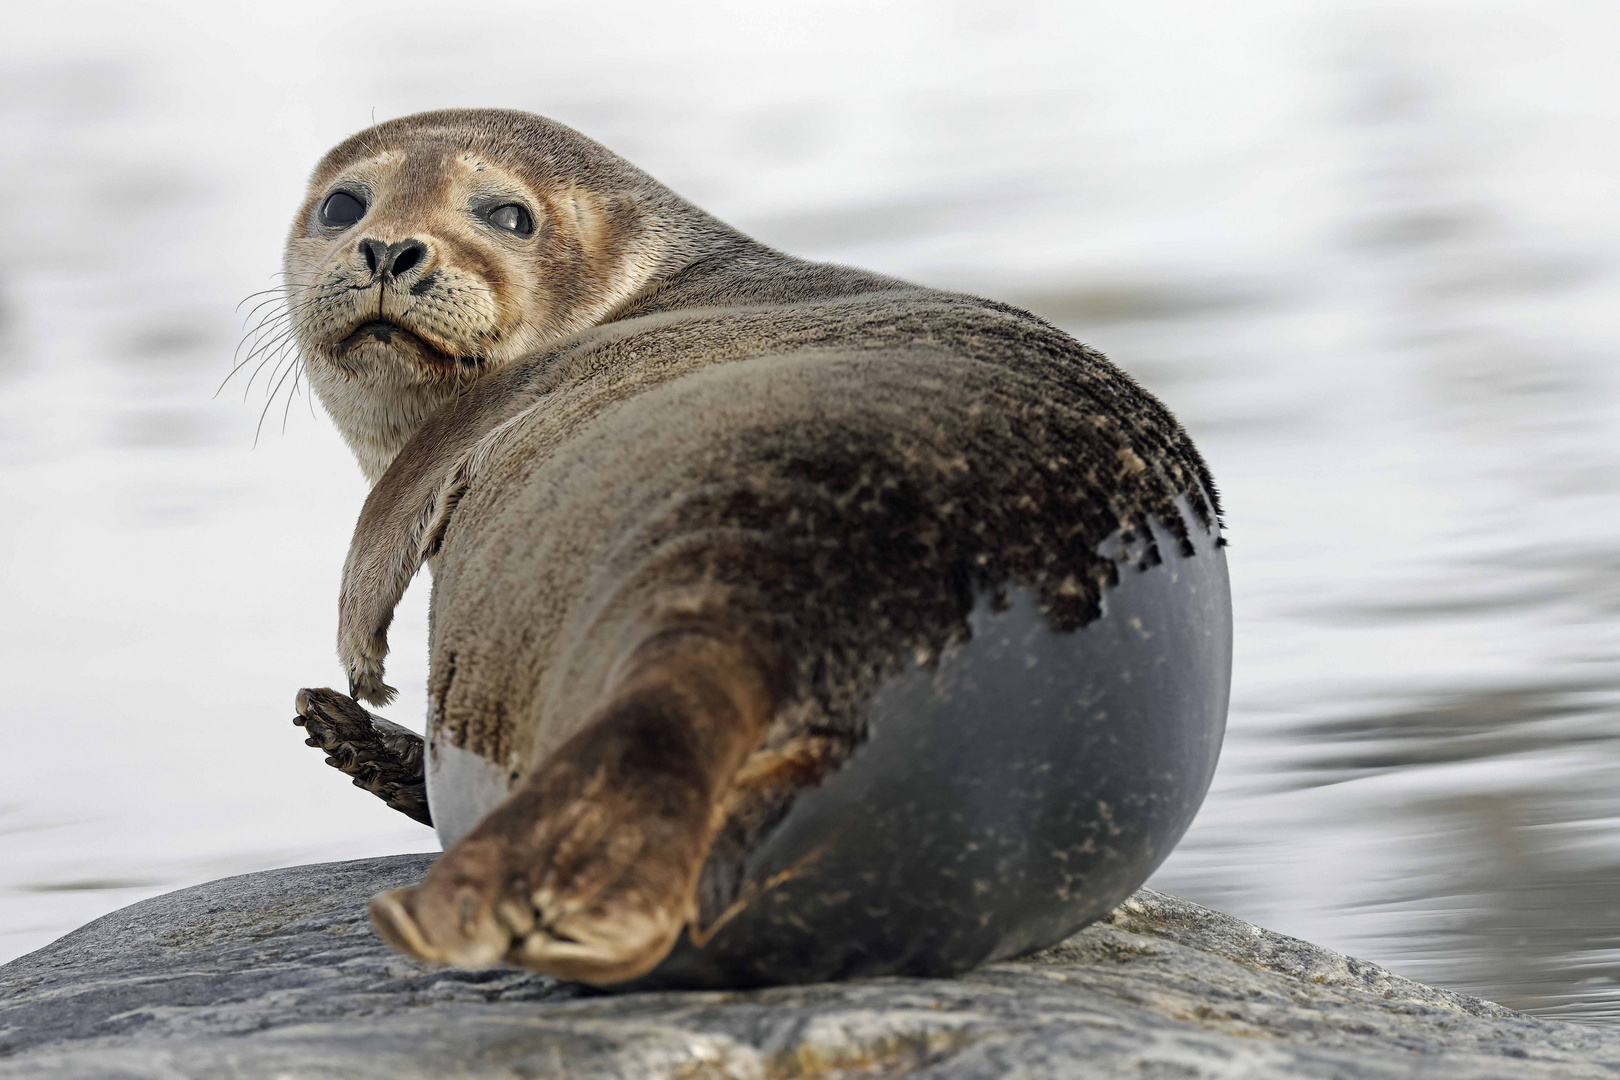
point(512, 218)
point(342, 209)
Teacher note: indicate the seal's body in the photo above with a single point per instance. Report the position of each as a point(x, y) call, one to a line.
point(709, 527)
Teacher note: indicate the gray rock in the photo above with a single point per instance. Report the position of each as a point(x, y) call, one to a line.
point(278, 976)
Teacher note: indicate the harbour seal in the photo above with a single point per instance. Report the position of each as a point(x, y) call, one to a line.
point(788, 620)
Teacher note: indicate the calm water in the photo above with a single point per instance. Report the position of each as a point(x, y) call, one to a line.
point(1368, 254)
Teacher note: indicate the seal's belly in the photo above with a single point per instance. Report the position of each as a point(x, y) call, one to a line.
point(461, 786)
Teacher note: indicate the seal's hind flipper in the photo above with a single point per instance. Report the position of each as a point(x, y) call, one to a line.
point(588, 869)
point(383, 758)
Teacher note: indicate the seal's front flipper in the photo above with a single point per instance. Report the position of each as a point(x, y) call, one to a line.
point(383, 758)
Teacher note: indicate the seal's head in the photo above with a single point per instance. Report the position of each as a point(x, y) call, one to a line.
point(436, 248)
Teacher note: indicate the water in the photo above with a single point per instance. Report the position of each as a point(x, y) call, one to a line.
point(1367, 253)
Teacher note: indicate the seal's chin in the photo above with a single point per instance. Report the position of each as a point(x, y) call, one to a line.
point(380, 339)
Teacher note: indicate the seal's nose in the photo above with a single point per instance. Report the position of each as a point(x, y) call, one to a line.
point(374, 252)
point(404, 255)
point(393, 260)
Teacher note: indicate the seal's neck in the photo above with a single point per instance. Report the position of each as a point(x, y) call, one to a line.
point(378, 413)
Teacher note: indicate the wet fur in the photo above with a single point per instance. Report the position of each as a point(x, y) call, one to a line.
point(800, 474)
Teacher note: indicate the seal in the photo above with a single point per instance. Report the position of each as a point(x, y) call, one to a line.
point(789, 621)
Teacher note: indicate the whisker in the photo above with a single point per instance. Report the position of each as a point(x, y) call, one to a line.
point(283, 287)
point(273, 315)
point(273, 320)
point(269, 357)
point(281, 360)
point(277, 299)
point(246, 360)
point(274, 324)
point(287, 411)
point(279, 290)
point(253, 341)
point(266, 410)
point(269, 342)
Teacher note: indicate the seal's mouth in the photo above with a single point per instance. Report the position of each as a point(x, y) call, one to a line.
point(384, 332)
point(388, 333)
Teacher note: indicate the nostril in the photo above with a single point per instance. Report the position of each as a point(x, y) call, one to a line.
point(408, 253)
point(370, 249)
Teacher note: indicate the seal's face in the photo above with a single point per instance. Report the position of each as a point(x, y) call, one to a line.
point(417, 265)
point(425, 266)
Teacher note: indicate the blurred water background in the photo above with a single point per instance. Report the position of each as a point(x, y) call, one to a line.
point(1367, 252)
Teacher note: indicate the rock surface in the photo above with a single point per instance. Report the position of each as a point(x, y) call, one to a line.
point(278, 976)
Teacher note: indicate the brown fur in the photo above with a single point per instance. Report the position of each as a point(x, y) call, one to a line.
point(803, 474)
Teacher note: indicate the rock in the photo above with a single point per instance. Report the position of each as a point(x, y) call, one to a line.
point(277, 976)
